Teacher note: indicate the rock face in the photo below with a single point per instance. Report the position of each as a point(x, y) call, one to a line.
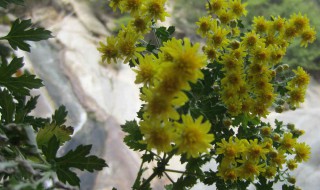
point(100, 99)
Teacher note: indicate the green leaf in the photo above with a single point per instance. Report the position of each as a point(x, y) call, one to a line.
point(23, 109)
point(147, 157)
point(20, 33)
point(134, 135)
point(77, 159)
point(288, 187)
point(8, 70)
point(36, 122)
point(7, 106)
point(62, 133)
point(65, 175)
point(50, 150)
point(171, 30)
point(17, 85)
point(185, 181)
point(163, 33)
point(210, 177)
point(59, 116)
point(4, 3)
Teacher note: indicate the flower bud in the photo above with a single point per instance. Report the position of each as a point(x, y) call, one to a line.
point(279, 109)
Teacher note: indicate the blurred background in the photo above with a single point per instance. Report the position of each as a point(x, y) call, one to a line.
point(100, 99)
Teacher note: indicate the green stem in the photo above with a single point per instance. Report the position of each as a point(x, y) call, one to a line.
point(40, 166)
point(156, 172)
point(136, 181)
point(165, 173)
point(175, 171)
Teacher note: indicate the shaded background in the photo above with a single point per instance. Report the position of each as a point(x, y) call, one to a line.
point(100, 99)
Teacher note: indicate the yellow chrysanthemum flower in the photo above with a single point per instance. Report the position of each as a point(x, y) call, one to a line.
point(157, 135)
point(301, 78)
point(251, 40)
point(141, 24)
point(296, 95)
point(156, 9)
point(215, 6)
point(227, 171)
point(292, 164)
point(204, 25)
point(278, 24)
point(270, 172)
point(127, 39)
point(110, 51)
point(301, 22)
point(146, 70)
point(238, 8)
point(225, 16)
point(260, 24)
point(194, 138)
point(290, 31)
point(231, 63)
point(187, 60)
point(276, 55)
point(255, 151)
point(302, 151)
point(132, 6)
point(308, 36)
point(250, 169)
point(165, 50)
point(211, 52)
point(278, 158)
point(288, 142)
point(260, 54)
point(158, 106)
point(231, 149)
point(218, 39)
point(169, 84)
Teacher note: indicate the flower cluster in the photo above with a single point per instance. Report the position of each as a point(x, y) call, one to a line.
point(182, 111)
point(124, 46)
point(248, 159)
point(250, 60)
point(164, 80)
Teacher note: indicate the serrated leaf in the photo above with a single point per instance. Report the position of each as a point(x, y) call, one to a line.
point(8, 70)
point(133, 135)
point(17, 85)
point(210, 177)
point(150, 47)
point(23, 109)
point(21, 32)
point(36, 122)
point(162, 33)
point(62, 133)
point(185, 181)
point(22, 84)
point(65, 175)
point(59, 116)
point(78, 159)
point(4, 3)
point(147, 157)
point(50, 150)
point(7, 106)
point(171, 30)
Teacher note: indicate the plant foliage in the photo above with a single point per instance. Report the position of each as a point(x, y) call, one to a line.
point(29, 145)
